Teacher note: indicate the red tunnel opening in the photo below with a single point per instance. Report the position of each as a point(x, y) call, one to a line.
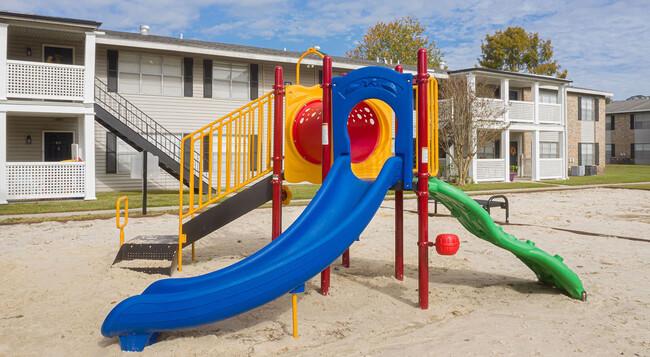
point(363, 129)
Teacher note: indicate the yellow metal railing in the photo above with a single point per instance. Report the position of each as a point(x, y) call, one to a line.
point(432, 127)
point(234, 150)
point(119, 225)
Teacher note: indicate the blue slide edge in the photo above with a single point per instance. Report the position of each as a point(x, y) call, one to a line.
point(337, 215)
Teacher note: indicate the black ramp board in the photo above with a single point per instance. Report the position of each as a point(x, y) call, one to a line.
point(228, 210)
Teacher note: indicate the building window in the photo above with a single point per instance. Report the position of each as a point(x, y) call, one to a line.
point(231, 80)
point(549, 150)
point(587, 109)
point(125, 154)
point(150, 74)
point(642, 121)
point(547, 96)
point(58, 54)
point(610, 123)
point(642, 153)
point(513, 95)
point(610, 150)
point(587, 154)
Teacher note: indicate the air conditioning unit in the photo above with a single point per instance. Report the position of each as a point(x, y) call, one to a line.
point(577, 170)
point(591, 170)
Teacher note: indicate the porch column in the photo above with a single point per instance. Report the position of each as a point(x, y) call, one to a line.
point(563, 154)
point(89, 68)
point(87, 143)
point(473, 167)
point(474, 164)
point(562, 139)
point(535, 156)
point(505, 96)
point(535, 95)
point(3, 61)
point(3, 157)
point(505, 154)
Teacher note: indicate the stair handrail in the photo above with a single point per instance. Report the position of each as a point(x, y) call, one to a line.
point(233, 135)
point(169, 143)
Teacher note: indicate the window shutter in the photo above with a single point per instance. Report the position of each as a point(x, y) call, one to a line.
point(497, 152)
point(579, 108)
point(579, 154)
point(632, 121)
point(207, 78)
point(596, 155)
point(254, 68)
point(613, 152)
point(596, 109)
point(188, 76)
point(111, 56)
point(320, 76)
point(613, 123)
point(111, 153)
point(631, 151)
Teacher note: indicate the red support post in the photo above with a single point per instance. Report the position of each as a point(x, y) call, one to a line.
point(422, 185)
point(326, 161)
point(276, 225)
point(399, 223)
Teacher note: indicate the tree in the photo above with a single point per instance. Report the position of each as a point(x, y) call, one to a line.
point(519, 51)
point(398, 40)
point(638, 96)
point(467, 121)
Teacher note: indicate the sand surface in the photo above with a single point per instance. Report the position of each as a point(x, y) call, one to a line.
point(57, 286)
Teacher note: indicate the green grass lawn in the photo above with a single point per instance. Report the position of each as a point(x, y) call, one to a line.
point(643, 186)
point(613, 174)
point(106, 200)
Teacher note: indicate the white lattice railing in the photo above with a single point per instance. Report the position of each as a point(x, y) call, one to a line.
point(38, 180)
point(490, 169)
point(550, 168)
point(44, 80)
point(550, 113)
point(521, 111)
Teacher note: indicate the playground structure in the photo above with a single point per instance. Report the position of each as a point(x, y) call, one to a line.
point(355, 132)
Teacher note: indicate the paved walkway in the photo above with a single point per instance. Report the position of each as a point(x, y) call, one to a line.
point(154, 210)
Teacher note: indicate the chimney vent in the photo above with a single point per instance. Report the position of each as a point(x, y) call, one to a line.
point(144, 30)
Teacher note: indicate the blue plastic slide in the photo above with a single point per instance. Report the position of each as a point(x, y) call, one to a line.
point(337, 215)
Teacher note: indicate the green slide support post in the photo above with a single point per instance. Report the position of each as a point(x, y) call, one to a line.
point(549, 269)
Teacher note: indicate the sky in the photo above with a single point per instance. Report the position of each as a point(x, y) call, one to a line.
point(604, 45)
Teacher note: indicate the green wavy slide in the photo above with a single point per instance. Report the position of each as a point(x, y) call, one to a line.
point(549, 269)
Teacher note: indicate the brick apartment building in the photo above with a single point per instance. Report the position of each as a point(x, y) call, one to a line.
point(628, 132)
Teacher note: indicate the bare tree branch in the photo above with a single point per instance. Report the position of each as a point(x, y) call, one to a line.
point(468, 120)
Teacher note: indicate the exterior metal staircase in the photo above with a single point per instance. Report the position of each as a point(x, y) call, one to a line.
point(141, 132)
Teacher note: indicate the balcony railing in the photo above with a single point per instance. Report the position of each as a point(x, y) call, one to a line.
point(521, 111)
point(36, 80)
point(550, 168)
point(550, 113)
point(42, 180)
point(490, 169)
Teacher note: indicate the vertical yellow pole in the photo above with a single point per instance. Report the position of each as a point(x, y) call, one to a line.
point(294, 299)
